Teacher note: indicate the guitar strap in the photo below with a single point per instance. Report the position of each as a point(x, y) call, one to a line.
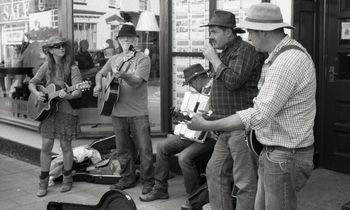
point(254, 145)
point(128, 63)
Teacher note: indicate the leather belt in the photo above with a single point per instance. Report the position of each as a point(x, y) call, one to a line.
point(291, 150)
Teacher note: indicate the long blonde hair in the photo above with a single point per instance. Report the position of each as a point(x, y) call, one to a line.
point(66, 63)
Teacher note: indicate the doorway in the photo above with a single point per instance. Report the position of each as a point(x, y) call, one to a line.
point(337, 84)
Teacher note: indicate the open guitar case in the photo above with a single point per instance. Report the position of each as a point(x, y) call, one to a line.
point(106, 147)
point(111, 200)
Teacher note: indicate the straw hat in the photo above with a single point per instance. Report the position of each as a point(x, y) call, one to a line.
point(224, 19)
point(264, 17)
point(54, 40)
point(51, 42)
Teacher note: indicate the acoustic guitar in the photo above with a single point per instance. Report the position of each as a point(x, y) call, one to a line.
point(254, 145)
point(39, 110)
point(110, 88)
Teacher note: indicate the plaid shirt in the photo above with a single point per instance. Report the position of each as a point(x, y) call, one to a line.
point(284, 110)
point(235, 81)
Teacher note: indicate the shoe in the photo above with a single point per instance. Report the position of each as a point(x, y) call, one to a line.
point(158, 192)
point(147, 187)
point(188, 206)
point(122, 184)
point(67, 183)
point(43, 185)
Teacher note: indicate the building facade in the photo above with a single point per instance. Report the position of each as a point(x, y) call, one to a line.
point(322, 26)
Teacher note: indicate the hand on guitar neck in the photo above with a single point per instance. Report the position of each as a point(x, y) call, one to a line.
point(107, 90)
point(186, 116)
point(116, 73)
point(43, 100)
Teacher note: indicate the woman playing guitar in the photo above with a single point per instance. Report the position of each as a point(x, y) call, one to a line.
point(62, 123)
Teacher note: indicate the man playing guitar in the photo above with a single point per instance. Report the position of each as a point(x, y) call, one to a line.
point(130, 111)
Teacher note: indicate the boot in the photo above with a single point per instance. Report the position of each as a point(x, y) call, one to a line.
point(159, 191)
point(67, 183)
point(43, 185)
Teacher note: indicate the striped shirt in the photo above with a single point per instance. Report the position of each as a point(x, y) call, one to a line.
point(235, 80)
point(285, 108)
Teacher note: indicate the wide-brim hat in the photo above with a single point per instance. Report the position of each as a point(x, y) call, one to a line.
point(192, 72)
point(264, 17)
point(51, 42)
point(127, 30)
point(225, 19)
point(54, 40)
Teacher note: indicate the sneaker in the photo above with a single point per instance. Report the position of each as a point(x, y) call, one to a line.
point(147, 187)
point(158, 192)
point(188, 206)
point(122, 184)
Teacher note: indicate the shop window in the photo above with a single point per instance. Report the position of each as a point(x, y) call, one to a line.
point(98, 24)
point(25, 25)
point(239, 8)
point(143, 5)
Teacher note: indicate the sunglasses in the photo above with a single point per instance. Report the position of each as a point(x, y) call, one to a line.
point(58, 46)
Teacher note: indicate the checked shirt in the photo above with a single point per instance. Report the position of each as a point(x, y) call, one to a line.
point(235, 80)
point(285, 108)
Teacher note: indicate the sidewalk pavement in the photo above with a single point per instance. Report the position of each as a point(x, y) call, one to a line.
point(326, 190)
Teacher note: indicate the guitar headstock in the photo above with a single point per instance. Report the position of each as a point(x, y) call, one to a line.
point(85, 85)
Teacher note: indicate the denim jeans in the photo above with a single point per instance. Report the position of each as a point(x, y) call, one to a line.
point(282, 173)
point(132, 136)
point(191, 153)
point(232, 161)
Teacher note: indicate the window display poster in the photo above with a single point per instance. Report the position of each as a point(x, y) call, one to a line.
point(197, 5)
point(229, 5)
point(179, 64)
point(198, 20)
point(181, 6)
point(182, 46)
point(345, 31)
point(188, 16)
point(182, 30)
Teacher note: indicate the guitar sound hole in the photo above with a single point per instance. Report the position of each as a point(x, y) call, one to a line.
point(46, 98)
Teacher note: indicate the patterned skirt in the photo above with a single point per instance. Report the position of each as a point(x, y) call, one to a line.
point(60, 125)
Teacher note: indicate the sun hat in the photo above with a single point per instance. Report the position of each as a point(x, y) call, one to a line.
point(193, 71)
point(264, 17)
point(127, 30)
point(225, 19)
point(54, 40)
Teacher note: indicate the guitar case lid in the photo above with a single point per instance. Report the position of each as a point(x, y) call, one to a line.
point(111, 200)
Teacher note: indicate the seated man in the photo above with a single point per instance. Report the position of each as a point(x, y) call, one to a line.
point(190, 152)
point(83, 57)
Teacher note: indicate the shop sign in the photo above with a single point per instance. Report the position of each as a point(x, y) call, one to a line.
point(14, 10)
point(345, 30)
point(12, 37)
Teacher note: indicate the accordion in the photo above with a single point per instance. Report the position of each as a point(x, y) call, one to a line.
point(195, 102)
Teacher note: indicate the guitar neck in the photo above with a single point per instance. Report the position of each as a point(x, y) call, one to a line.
point(125, 60)
point(56, 93)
